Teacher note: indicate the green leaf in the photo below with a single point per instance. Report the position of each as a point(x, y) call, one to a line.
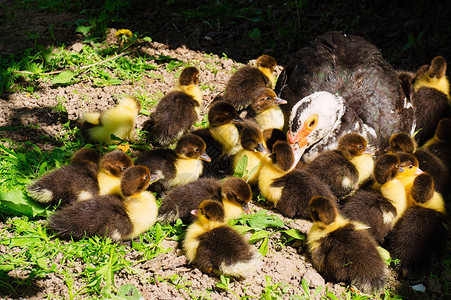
point(24, 241)
point(42, 168)
point(263, 250)
point(6, 267)
point(294, 233)
point(240, 169)
point(147, 39)
point(255, 34)
point(17, 201)
point(128, 291)
point(317, 291)
point(64, 77)
point(261, 222)
point(305, 286)
point(241, 228)
point(258, 236)
point(42, 263)
point(83, 29)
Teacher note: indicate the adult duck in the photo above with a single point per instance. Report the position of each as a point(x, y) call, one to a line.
point(341, 83)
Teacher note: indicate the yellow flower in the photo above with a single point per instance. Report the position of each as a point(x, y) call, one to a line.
point(124, 32)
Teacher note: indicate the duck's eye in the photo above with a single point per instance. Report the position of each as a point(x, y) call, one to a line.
point(145, 177)
point(197, 150)
point(228, 114)
point(410, 167)
point(312, 123)
point(360, 146)
point(397, 166)
point(268, 98)
point(123, 168)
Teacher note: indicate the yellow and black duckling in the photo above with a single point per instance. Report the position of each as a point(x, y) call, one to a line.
point(253, 146)
point(112, 166)
point(430, 97)
point(345, 168)
point(344, 250)
point(176, 167)
point(272, 135)
point(421, 231)
point(408, 171)
point(234, 193)
point(213, 247)
point(77, 181)
point(118, 121)
point(176, 112)
point(120, 217)
point(289, 190)
point(440, 144)
point(242, 85)
point(265, 109)
point(428, 162)
point(221, 137)
point(368, 206)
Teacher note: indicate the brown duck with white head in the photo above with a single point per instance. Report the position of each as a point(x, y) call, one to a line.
point(341, 83)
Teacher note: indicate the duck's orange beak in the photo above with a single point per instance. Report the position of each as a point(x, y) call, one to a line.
point(301, 135)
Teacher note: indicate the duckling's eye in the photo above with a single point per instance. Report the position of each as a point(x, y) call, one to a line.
point(410, 167)
point(123, 168)
point(197, 150)
point(268, 98)
point(397, 166)
point(228, 114)
point(360, 146)
point(145, 177)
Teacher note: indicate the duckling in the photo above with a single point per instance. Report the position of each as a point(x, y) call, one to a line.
point(265, 109)
point(431, 97)
point(176, 112)
point(343, 250)
point(253, 144)
point(397, 190)
point(440, 144)
point(368, 205)
point(176, 167)
point(120, 217)
point(272, 135)
point(212, 246)
point(289, 190)
point(428, 162)
point(345, 168)
point(241, 86)
point(234, 193)
point(119, 121)
point(409, 170)
point(221, 137)
point(421, 231)
point(77, 181)
point(112, 166)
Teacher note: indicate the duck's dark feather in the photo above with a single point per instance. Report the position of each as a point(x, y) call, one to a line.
point(353, 68)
